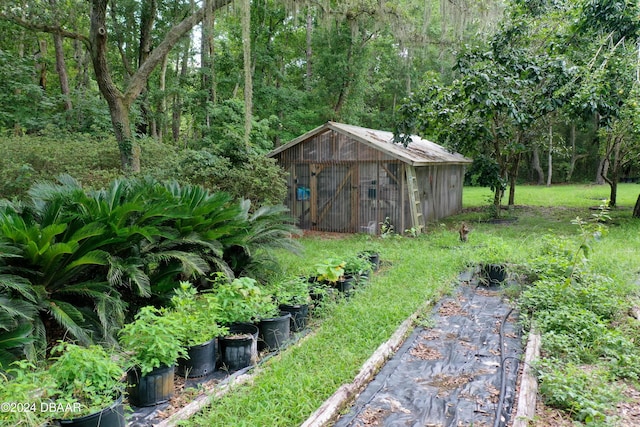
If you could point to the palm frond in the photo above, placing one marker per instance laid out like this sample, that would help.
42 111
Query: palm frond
13 344
69 318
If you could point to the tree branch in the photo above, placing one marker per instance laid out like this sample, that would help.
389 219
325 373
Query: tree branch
45 28
140 77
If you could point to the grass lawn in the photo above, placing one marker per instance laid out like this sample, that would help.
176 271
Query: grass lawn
289 387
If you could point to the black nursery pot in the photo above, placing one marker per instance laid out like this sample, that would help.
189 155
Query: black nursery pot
345 285
494 274
373 257
151 389
239 348
201 361
113 416
299 315
274 332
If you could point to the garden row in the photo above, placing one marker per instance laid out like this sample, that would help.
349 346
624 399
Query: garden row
223 326
77 266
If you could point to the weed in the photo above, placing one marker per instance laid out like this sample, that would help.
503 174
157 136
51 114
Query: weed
584 392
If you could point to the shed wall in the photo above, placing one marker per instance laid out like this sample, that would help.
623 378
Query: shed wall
340 184
440 190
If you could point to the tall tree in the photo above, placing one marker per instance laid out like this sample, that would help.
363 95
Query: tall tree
119 101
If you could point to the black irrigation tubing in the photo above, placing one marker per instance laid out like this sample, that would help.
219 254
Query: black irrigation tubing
503 383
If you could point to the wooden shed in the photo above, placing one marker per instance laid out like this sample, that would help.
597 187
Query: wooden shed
349 179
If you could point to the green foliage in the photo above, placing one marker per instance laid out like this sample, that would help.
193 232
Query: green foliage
585 394
257 178
241 300
96 163
357 264
152 340
330 270
264 230
289 291
579 313
86 375
25 384
194 316
78 258
23 100
225 137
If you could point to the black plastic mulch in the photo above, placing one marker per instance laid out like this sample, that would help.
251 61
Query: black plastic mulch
450 374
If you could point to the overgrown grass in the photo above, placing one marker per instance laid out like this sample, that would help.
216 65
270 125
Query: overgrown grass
290 386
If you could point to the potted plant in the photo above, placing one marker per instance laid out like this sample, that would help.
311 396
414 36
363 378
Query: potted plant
26 389
153 344
237 305
492 262
373 257
88 385
274 324
201 331
331 271
358 266
292 296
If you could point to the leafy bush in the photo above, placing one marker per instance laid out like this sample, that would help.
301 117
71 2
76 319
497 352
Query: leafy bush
96 162
257 178
583 393
194 316
25 384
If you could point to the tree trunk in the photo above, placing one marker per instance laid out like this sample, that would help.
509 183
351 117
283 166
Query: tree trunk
41 64
574 155
513 176
248 81
636 209
82 58
550 156
613 193
308 52
603 167
182 65
61 69
535 165
120 102
207 60
161 123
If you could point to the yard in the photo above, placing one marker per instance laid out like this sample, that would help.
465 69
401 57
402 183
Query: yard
575 265
292 385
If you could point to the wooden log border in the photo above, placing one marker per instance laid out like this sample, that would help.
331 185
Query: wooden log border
330 410
529 384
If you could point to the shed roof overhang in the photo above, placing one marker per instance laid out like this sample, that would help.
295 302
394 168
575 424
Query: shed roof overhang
419 152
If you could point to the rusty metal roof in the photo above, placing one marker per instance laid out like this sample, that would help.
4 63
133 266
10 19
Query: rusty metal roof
419 151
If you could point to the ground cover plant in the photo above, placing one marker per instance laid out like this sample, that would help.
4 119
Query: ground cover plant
290 386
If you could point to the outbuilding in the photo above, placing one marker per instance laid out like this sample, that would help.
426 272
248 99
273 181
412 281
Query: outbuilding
348 179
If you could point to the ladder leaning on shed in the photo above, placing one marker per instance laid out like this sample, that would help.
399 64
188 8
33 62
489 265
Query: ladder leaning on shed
414 199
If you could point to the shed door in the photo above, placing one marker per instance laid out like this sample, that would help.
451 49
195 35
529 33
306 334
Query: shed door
334 197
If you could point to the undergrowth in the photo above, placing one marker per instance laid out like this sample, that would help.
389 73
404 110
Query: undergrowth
582 316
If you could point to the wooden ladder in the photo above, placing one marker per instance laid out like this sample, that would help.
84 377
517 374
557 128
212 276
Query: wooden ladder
414 199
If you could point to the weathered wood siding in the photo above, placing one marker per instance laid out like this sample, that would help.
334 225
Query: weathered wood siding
339 184
440 190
